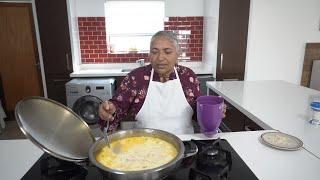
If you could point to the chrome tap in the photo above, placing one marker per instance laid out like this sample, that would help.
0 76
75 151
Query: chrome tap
141 62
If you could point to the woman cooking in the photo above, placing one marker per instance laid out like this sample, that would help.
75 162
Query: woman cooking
161 95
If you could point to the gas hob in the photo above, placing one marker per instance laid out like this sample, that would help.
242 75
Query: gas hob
215 160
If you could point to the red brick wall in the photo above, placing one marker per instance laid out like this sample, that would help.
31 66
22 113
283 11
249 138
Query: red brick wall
94 48
192 38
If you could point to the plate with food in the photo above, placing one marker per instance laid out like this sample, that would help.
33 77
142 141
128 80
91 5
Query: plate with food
281 141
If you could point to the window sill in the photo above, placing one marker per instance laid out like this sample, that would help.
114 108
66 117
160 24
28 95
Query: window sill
128 52
116 69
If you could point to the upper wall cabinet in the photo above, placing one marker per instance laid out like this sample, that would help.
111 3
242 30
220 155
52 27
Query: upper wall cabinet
54 36
56 47
232 39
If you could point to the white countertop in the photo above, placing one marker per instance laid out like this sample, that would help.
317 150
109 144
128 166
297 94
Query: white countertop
275 105
99 73
117 72
108 70
17 157
266 162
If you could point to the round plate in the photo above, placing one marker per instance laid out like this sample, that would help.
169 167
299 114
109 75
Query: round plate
281 141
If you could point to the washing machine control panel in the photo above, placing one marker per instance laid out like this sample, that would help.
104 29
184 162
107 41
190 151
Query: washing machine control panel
98 87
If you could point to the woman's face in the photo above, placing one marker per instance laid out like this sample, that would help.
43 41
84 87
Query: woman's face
163 56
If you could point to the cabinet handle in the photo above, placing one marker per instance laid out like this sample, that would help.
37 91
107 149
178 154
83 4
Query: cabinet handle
38 65
221 61
68 62
248 128
59 80
231 79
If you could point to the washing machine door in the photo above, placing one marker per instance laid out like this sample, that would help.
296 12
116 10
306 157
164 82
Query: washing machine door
88 108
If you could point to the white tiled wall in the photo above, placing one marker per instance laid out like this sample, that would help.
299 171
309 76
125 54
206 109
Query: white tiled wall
210 31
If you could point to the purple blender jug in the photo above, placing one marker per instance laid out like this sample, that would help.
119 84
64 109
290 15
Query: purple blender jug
209 113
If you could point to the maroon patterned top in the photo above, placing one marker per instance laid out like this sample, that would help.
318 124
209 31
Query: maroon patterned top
130 95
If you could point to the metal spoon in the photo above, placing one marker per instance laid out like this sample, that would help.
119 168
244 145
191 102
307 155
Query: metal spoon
105 136
116 148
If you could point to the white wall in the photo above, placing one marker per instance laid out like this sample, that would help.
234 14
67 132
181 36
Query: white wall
89 8
74 33
184 7
278 32
94 8
39 47
210 34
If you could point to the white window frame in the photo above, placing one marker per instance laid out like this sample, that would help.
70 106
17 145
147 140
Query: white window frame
131 24
113 69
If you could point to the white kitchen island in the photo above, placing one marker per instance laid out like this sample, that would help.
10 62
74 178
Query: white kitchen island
277 105
17 157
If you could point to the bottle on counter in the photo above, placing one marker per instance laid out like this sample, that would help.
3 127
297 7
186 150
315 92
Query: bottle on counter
315 116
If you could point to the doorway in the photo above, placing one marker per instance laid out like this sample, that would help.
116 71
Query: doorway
19 59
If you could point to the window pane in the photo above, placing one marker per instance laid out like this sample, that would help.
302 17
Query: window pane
126 43
131 23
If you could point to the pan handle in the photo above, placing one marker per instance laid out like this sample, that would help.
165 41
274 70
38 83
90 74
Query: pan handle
191 150
85 164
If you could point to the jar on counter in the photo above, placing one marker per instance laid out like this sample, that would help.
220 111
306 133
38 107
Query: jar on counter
315 117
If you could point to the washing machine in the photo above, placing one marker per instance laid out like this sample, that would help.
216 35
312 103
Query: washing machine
84 95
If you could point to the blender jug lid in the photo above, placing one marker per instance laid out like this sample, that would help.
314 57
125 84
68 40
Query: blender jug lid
315 105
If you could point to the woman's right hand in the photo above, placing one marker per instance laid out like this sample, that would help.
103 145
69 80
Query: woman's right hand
107 110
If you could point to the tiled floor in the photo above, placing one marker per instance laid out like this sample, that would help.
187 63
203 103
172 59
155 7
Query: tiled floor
11 131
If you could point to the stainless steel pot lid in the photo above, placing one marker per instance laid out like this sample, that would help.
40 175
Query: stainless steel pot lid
54 128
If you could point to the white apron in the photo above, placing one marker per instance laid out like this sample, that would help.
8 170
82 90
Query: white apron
166 108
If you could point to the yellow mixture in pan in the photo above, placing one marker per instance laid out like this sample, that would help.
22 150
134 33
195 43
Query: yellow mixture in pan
137 153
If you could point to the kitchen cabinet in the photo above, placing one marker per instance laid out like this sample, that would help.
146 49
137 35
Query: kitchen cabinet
56 87
236 120
56 48
315 75
203 78
249 125
2 102
232 39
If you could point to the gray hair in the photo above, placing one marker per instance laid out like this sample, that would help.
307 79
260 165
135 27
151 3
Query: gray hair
170 36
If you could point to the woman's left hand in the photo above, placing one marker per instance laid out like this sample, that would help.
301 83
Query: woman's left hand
224 110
